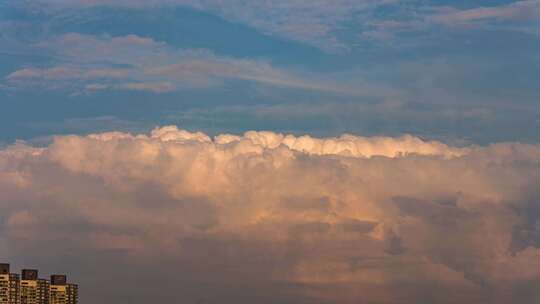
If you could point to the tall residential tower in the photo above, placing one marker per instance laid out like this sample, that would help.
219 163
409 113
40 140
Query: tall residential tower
61 292
30 289
33 289
4 284
9 286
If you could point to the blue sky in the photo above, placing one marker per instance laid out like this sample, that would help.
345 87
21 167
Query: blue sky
399 162
456 71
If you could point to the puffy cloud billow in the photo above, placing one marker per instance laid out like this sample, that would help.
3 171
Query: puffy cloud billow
180 217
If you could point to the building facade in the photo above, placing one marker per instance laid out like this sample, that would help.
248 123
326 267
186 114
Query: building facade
43 291
14 289
4 284
58 290
73 293
9 286
30 289
61 292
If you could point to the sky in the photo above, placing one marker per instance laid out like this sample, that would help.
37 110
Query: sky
273 151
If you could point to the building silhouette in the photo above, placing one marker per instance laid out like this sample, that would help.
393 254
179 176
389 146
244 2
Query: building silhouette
30 289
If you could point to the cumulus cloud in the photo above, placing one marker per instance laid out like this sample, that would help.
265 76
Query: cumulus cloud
278 218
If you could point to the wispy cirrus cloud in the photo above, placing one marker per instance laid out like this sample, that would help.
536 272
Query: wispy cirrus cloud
516 16
324 24
91 63
313 22
517 11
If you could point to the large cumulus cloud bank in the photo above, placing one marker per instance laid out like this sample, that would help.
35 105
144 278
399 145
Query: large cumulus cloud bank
179 217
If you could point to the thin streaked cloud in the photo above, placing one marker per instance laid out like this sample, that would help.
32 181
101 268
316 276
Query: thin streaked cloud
139 63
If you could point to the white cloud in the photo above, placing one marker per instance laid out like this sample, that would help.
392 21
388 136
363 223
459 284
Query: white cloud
312 220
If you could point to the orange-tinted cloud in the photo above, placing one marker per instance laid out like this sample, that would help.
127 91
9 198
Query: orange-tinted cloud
298 219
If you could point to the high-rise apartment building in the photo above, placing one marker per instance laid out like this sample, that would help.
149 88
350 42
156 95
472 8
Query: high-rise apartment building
14 288
33 289
4 284
9 286
43 291
61 292
30 289
73 293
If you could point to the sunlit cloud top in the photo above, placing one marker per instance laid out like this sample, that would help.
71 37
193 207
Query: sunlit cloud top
293 218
